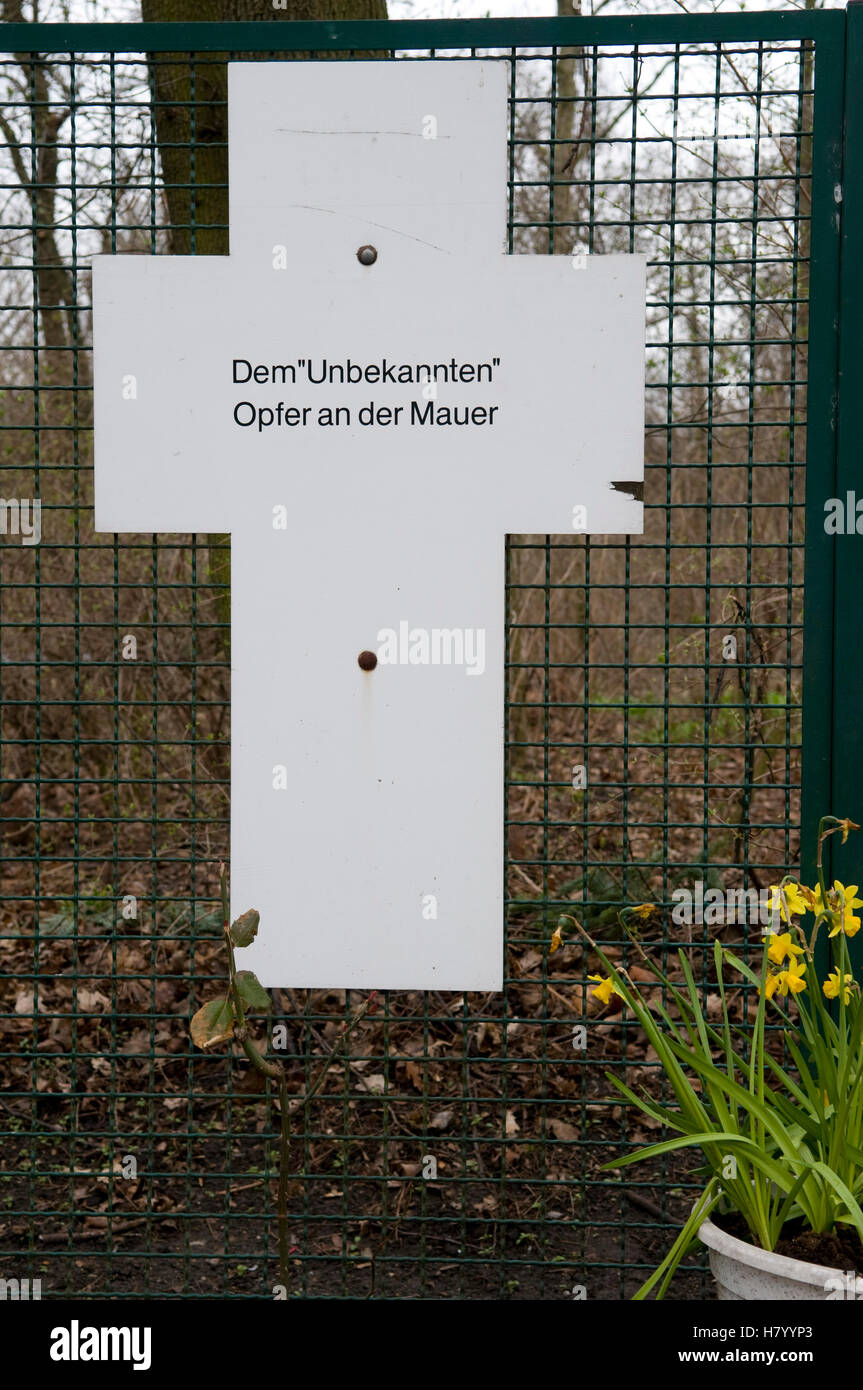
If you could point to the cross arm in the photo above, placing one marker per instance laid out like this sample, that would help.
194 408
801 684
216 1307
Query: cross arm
155 318
576 425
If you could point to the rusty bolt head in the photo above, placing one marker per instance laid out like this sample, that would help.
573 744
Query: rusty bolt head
367 661
367 255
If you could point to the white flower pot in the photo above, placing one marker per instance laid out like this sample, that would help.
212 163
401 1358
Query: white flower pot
746 1273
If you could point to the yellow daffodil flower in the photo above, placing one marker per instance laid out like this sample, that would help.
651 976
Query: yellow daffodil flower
790 980
643 910
850 924
555 941
780 947
832 985
605 988
794 976
795 900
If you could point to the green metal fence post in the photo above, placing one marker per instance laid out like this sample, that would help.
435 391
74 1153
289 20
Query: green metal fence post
819 730
846 790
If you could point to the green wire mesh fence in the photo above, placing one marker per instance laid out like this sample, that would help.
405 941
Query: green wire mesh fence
653 709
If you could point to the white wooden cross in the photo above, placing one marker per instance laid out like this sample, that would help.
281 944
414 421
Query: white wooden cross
368 515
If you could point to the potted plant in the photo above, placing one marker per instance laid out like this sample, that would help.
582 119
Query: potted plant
780 1130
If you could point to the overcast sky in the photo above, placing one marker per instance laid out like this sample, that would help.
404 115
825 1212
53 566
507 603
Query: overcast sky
452 9
511 9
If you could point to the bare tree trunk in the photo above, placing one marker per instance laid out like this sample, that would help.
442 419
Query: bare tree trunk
34 153
565 154
37 173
